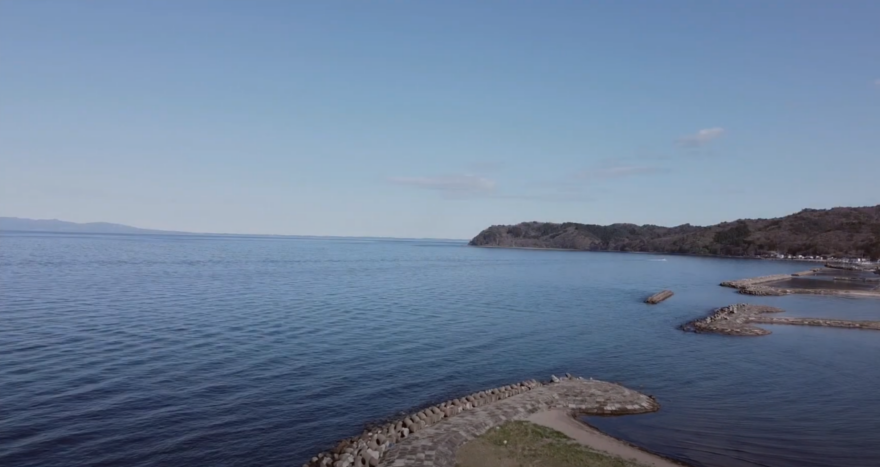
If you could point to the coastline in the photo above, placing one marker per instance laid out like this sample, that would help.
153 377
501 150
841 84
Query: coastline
692 255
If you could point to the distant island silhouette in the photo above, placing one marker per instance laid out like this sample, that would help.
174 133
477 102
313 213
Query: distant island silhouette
55 225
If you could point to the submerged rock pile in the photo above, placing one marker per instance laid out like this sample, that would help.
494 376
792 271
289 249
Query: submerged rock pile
659 297
368 448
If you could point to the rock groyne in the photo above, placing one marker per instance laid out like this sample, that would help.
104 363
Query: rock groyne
751 282
732 320
822 322
738 320
369 447
851 266
763 286
432 436
770 291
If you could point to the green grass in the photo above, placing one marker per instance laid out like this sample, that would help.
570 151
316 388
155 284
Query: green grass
524 444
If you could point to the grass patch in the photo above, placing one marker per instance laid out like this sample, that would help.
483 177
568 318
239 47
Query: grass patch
524 444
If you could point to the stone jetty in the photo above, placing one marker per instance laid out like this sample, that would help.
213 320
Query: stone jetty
806 273
431 437
763 286
769 291
754 281
739 320
852 267
659 297
732 320
857 279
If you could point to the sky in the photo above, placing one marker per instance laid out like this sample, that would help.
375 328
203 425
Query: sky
435 119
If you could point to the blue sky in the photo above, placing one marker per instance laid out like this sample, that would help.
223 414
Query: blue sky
435 119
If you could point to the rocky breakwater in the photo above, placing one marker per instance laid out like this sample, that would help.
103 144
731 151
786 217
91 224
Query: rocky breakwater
770 286
857 279
771 290
821 322
738 320
732 320
851 266
754 281
438 444
368 448
432 436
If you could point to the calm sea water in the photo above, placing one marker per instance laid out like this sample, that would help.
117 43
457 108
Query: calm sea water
234 351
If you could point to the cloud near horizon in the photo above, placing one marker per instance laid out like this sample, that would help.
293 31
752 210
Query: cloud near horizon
701 138
453 185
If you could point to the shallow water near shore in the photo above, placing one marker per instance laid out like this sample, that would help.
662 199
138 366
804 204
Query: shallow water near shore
150 350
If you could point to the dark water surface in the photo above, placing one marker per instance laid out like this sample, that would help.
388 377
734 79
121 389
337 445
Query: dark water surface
243 351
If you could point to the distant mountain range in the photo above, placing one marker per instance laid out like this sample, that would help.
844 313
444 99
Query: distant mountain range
841 232
19 224
55 225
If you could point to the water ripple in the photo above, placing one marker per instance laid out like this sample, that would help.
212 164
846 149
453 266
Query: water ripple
247 351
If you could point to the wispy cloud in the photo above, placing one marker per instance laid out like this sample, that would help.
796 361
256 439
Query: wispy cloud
617 171
701 138
877 82
450 185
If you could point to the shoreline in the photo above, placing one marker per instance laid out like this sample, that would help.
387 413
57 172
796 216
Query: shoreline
594 438
691 255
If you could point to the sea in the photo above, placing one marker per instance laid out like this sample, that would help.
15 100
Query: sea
192 350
